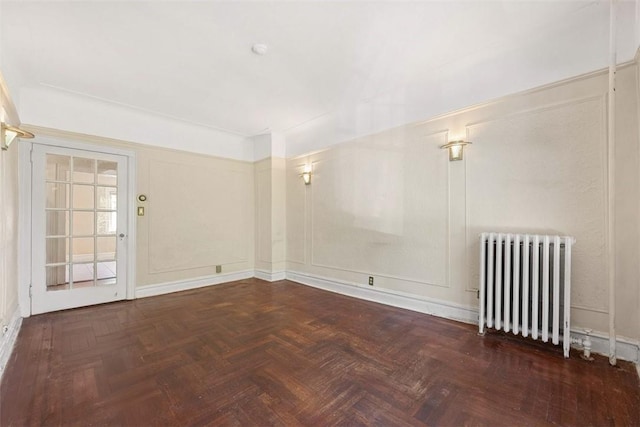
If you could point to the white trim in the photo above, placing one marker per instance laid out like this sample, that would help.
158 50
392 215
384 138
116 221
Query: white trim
24 227
61 141
184 285
627 349
132 224
8 339
270 276
25 221
431 306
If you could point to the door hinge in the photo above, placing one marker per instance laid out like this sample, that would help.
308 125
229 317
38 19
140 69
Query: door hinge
30 290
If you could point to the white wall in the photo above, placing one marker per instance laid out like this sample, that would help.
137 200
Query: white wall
56 109
270 219
390 204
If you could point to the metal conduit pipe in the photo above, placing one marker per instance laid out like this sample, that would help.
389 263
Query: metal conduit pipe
611 145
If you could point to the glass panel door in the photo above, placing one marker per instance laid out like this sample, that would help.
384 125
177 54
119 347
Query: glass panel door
81 222
77 204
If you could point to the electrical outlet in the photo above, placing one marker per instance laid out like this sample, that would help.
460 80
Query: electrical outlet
218 269
370 280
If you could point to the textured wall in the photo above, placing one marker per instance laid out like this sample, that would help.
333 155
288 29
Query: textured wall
8 234
270 184
199 214
391 205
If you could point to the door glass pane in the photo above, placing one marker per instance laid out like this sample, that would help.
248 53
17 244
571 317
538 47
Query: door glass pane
107 173
58 167
107 222
83 196
82 275
83 223
106 248
106 270
107 198
57 195
83 250
84 170
81 204
57 278
57 250
57 223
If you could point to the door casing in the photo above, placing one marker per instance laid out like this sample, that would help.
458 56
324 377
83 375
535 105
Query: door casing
25 222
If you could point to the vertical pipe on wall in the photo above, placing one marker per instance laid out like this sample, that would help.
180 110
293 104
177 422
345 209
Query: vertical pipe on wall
611 258
483 281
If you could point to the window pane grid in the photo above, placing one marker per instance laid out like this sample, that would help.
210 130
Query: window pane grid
86 190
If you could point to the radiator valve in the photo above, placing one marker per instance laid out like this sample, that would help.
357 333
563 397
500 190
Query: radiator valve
586 345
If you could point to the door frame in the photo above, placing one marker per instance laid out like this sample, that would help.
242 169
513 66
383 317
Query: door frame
25 221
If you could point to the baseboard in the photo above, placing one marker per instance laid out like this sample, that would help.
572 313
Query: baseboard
626 349
184 285
269 276
8 339
434 307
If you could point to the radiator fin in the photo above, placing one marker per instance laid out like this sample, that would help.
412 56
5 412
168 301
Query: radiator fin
525 285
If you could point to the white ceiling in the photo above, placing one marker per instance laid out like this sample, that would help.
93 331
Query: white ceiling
192 61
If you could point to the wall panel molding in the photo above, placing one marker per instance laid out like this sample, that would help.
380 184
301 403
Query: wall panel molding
198 282
411 140
292 176
262 234
598 108
159 216
407 301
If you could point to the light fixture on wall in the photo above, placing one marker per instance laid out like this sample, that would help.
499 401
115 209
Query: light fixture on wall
306 174
456 149
10 133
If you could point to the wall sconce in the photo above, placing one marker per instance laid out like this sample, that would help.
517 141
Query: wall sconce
10 133
306 175
455 149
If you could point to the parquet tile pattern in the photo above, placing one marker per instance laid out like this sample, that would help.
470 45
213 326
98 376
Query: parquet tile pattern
256 353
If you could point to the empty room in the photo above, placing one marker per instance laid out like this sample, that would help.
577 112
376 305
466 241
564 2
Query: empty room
317 213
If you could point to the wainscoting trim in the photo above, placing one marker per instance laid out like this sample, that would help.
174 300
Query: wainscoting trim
396 299
199 282
270 276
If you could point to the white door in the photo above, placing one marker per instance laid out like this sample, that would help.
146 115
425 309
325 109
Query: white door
79 208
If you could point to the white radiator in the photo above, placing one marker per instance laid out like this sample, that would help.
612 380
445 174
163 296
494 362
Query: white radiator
525 285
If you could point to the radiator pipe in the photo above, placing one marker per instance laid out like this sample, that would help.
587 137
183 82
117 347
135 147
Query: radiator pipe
611 220
586 345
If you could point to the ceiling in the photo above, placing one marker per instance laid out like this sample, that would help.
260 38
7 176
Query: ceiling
192 61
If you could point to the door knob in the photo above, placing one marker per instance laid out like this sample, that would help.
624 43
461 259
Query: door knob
121 235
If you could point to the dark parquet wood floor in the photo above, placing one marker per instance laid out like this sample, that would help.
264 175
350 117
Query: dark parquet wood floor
254 353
